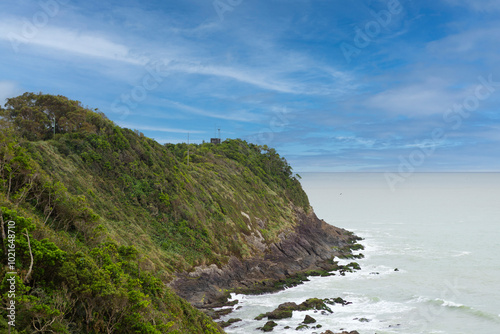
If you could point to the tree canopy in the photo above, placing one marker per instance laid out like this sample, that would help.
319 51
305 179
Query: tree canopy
34 116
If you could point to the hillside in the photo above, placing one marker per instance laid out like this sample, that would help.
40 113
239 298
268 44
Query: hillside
109 223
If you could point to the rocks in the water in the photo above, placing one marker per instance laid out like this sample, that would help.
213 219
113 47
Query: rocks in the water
285 310
374 273
344 332
268 327
304 326
232 303
314 304
280 314
396 269
349 268
339 300
309 320
231 321
362 319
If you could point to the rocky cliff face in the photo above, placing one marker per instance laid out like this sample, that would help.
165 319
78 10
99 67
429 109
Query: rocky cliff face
311 245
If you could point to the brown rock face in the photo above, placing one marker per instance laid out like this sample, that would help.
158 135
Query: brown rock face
308 247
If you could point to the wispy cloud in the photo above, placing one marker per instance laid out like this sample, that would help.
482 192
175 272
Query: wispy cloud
156 128
241 115
478 43
422 99
84 43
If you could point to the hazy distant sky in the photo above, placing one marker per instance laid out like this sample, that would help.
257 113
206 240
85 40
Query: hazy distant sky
332 85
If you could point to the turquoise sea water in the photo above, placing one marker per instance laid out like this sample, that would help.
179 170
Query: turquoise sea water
442 232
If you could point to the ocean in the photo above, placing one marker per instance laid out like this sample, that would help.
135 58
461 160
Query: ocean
441 231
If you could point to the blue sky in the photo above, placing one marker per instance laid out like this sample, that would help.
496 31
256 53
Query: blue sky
332 85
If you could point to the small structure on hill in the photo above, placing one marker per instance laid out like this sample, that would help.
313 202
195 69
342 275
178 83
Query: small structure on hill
215 141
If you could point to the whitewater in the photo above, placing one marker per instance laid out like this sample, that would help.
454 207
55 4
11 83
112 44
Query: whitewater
431 257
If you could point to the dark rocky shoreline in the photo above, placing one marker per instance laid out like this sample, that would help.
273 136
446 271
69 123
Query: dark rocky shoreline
308 250
310 247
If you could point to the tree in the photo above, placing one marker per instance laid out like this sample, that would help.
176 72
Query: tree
38 116
28 118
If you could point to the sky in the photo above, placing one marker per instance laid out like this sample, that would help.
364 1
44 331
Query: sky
335 86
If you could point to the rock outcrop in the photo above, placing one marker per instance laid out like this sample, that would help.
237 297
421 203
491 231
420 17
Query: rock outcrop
310 246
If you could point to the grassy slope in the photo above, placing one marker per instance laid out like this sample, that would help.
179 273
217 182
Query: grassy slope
112 215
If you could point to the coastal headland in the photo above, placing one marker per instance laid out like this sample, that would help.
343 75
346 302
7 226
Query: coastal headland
117 233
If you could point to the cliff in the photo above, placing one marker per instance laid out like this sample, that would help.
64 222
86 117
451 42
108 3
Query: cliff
115 227
309 245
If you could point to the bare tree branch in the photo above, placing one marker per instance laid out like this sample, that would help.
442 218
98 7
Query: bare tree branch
4 237
27 278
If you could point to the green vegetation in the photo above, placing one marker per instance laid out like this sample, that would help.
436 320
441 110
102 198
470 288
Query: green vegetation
268 327
111 216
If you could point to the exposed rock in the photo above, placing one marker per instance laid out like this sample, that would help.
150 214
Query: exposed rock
268 327
309 320
219 313
344 332
285 310
310 246
339 300
231 321
314 304
301 327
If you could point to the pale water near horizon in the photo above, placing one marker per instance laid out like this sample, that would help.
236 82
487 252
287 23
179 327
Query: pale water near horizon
442 231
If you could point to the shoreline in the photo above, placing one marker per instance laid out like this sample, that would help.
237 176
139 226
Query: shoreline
313 249
309 248
251 308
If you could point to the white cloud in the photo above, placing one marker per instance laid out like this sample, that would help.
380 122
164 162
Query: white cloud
352 141
241 116
281 77
422 99
61 39
266 73
477 43
241 75
95 44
